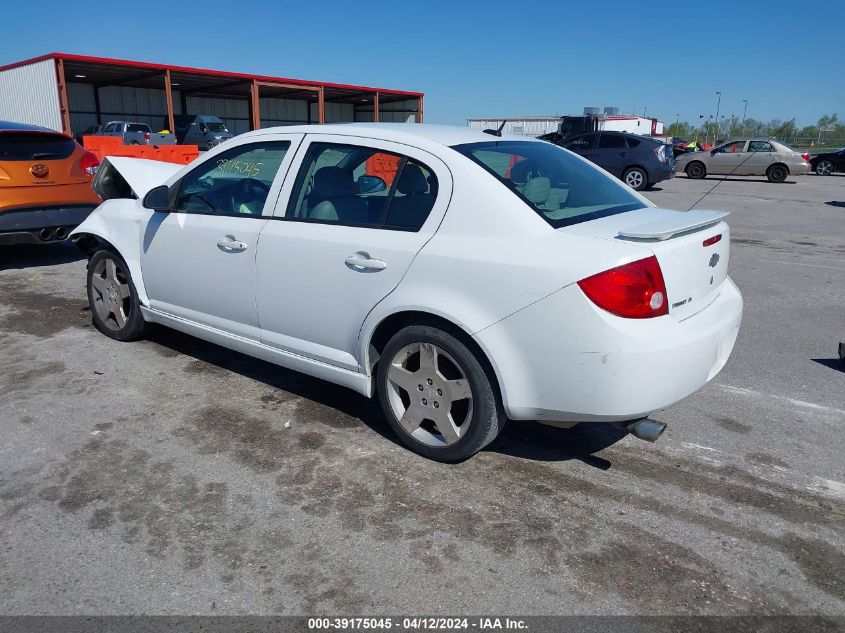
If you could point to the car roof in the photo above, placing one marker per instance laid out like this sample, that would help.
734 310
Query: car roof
12 126
448 135
756 138
615 132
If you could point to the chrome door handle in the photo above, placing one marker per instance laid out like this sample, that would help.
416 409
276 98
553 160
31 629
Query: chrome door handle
230 245
362 261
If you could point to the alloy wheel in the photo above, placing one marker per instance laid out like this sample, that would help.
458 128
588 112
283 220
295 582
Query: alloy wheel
824 168
634 179
112 295
429 394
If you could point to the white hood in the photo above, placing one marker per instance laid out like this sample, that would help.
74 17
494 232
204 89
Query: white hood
139 174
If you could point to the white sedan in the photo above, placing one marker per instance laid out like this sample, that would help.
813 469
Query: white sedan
464 278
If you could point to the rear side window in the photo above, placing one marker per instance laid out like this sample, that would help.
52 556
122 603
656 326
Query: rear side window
632 142
561 188
611 141
34 146
352 185
760 146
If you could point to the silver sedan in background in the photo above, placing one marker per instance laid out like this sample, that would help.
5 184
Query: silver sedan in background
746 157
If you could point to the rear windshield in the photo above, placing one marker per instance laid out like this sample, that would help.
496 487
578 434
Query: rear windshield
216 127
34 146
137 127
558 185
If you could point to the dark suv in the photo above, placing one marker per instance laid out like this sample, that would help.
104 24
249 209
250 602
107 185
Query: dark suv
638 161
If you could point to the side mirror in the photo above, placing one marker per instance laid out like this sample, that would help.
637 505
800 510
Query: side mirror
371 184
157 199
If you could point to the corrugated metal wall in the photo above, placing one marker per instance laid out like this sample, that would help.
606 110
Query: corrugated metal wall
29 94
397 111
275 111
523 127
335 112
393 112
233 112
118 103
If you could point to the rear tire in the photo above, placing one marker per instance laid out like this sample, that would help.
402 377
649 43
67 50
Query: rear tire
636 178
696 170
777 173
824 168
437 395
115 308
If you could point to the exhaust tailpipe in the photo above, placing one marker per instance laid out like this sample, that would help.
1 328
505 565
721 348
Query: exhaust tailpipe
45 235
646 429
61 233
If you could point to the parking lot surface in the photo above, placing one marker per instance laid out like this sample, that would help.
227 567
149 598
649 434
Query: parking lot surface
173 476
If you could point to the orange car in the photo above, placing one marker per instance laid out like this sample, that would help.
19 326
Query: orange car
45 184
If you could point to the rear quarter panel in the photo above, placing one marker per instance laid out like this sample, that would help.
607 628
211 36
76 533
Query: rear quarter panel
491 257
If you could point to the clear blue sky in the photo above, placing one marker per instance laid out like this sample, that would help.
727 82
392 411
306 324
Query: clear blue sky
487 58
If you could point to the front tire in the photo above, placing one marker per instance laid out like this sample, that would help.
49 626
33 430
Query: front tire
777 173
436 394
635 178
115 308
696 170
824 168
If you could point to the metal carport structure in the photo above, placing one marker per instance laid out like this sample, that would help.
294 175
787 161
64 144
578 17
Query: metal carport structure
89 90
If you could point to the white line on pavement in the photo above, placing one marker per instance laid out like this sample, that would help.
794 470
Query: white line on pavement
798 403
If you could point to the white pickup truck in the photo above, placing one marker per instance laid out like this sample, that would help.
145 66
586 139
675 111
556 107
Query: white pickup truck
136 133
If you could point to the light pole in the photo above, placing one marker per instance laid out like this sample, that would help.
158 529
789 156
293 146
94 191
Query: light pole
718 103
744 108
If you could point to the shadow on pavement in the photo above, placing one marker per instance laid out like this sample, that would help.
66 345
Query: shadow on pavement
836 203
37 255
535 441
527 440
748 179
833 363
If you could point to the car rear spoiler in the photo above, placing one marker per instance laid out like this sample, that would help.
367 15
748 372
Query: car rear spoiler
120 177
671 225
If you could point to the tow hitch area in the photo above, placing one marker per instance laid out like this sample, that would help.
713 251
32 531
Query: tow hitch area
644 428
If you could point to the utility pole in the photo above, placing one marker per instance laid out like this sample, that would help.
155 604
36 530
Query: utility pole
718 103
744 108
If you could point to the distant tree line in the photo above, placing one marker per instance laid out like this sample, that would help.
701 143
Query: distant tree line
828 131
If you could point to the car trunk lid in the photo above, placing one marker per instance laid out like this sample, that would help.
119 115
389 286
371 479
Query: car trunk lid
693 249
39 159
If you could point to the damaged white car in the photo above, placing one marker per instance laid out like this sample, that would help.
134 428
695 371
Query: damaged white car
462 277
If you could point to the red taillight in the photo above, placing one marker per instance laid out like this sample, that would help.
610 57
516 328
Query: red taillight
806 156
146 136
712 240
634 291
89 163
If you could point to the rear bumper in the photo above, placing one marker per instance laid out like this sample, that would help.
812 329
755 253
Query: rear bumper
661 173
564 359
23 226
